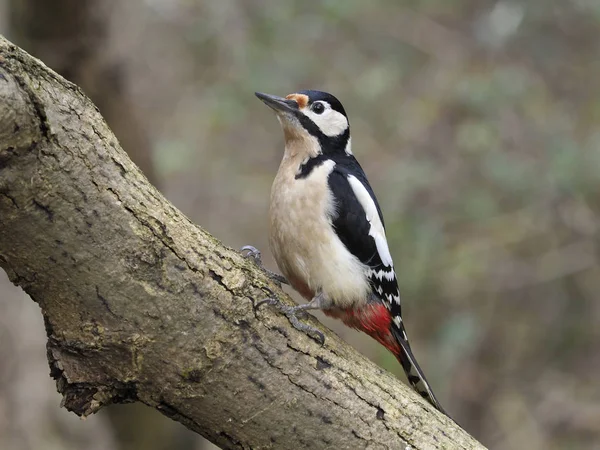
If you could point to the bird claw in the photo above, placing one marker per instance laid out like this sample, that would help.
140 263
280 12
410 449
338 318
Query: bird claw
266 301
254 253
311 331
291 313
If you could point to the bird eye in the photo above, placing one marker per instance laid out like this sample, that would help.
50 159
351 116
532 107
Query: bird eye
318 108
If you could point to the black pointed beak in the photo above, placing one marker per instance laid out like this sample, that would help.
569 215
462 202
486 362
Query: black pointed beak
278 103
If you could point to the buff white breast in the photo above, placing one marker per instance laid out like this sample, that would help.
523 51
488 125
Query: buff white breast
314 259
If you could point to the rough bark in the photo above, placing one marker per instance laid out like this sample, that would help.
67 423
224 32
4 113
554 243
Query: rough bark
78 39
29 417
140 304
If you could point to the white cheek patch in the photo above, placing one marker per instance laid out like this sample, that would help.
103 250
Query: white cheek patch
330 122
376 231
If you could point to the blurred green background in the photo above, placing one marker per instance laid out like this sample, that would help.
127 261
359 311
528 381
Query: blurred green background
478 124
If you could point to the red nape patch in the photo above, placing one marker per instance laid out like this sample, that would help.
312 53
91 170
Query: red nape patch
373 319
301 99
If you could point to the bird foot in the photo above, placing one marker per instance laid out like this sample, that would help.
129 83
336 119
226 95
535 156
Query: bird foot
254 253
291 313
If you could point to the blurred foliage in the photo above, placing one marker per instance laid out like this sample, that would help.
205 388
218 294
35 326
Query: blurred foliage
478 124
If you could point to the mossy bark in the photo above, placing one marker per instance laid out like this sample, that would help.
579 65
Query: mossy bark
140 304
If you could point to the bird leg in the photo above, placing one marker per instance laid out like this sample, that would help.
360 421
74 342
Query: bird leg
319 301
255 254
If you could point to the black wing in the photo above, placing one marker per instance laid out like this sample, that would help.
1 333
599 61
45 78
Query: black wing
353 227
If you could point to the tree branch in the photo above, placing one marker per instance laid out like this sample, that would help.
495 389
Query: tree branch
142 305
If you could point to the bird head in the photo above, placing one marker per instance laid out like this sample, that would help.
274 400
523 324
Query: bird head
309 115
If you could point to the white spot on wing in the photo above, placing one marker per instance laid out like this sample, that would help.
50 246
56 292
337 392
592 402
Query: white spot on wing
376 231
381 274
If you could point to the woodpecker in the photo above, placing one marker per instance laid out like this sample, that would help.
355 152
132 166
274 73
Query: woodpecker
327 232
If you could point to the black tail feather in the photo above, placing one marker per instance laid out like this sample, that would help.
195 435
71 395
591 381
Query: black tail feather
415 375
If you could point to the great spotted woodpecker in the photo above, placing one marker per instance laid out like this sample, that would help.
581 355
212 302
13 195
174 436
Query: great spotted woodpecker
327 232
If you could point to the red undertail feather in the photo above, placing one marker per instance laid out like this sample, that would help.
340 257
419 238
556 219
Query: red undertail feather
376 321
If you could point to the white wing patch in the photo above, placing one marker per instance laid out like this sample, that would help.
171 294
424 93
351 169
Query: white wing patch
376 231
